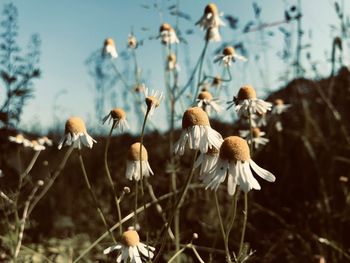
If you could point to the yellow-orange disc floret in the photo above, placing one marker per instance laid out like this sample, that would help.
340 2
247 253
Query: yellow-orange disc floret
75 125
246 92
130 238
134 152
234 148
194 116
118 114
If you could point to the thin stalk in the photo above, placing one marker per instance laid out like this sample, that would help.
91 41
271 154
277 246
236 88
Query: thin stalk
200 70
115 196
92 193
178 252
222 228
135 207
52 179
230 224
178 204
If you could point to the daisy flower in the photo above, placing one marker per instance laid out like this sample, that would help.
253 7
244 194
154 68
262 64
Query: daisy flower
168 34
153 100
258 138
197 132
234 160
211 18
109 48
45 141
118 116
216 82
279 107
258 120
20 139
133 163
75 134
247 103
130 249
172 62
213 34
228 56
207 161
36 146
132 42
206 102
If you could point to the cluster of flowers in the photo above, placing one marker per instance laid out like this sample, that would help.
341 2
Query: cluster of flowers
36 145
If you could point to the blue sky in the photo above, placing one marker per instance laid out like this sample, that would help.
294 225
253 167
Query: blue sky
72 30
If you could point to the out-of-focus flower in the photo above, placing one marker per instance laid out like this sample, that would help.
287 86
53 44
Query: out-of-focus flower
109 48
140 87
172 63
247 103
213 34
258 138
206 102
258 120
167 34
197 133
207 161
279 107
228 56
118 116
133 163
211 18
132 42
216 82
153 100
36 146
45 141
20 139
75 134
234 160
130 247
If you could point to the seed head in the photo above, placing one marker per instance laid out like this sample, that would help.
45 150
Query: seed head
118 114
194 116
205 95
172 58
165 27
130 238
217 81
211 9
134 152
109 42
228 51
246 92
279 102
75 125
234 148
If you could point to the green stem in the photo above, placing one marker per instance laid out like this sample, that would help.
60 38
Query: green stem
222 228
245 212
92 193
135 207
115 196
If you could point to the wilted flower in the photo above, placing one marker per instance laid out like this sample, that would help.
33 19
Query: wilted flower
132 42
133 163
247 103
20 139
109 48
118 116
206 102
211 18
234 160
228 56
207 160
172 62
75 133
45 141
197 132
130 247
168 34
153 100
279 107
213 34
258 138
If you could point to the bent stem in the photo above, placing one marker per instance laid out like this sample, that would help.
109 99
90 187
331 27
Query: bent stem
115 197
178 204
99 210
222 228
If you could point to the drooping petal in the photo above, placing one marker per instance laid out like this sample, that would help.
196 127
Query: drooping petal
262 172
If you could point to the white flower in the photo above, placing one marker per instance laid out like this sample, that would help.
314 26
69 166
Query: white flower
36 146
258 120
228 56
258 138
118 116
130 249
167 34
279 107
207 161
20 139
211 18
133 163
109 48
197 133
247 103
213 34
206 102
75 133
234 160
132 42
172 63
45 141
153 100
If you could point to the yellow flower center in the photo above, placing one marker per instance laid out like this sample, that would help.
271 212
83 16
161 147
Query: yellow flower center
134 152
234 148
75 125
228 51
152 101
246 92
216 81
194 116
118 114
165 27
205 95
109 41
279 102
130 238
211 9
256 132
172 58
